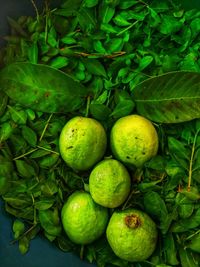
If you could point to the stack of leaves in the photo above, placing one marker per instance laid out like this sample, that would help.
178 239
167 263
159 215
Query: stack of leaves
94 58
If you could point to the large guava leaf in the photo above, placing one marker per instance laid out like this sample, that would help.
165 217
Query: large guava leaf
41 87
170 98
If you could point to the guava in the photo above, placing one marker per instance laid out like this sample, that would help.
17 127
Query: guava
83 220
132 235
134 140
109 183
82 143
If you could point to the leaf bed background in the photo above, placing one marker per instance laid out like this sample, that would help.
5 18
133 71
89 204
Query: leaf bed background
108 47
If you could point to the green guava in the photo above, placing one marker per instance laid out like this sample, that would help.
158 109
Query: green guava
134 140
82 143
109 183
132 235
83 220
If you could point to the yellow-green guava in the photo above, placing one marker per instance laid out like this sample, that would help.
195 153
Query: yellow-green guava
82 143
109 183
134 140
83 220
132 235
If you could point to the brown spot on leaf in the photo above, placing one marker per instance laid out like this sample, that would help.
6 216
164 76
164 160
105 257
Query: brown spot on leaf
47 94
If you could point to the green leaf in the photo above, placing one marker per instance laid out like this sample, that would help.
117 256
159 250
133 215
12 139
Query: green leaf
170 250
194 243
24 243
94 67
58 92
18 116
90 3
99 111
18 228
29 135
106 13
50 221
187 259
4 184
186 224
49 187
169 25
44 204
127 3
86 19
123 108
155 205
59 62
170 98
144 62
19 201
6 131
179 148
3 102
33 53
48 161
25 169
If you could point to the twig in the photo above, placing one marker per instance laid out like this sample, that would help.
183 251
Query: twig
45 128
191 161
36 10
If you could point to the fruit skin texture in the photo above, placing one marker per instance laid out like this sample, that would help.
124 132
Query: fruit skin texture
83 220
132 235
134 140
109 183
82 143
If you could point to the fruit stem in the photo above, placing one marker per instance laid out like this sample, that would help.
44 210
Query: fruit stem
132 221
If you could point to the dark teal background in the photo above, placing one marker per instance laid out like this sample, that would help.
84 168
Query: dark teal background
42 253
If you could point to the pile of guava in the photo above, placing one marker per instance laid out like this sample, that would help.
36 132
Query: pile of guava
86 216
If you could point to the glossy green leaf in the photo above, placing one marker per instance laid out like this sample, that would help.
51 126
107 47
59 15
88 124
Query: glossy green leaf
58 92
169 98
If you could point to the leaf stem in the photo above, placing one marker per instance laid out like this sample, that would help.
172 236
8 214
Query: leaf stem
128 28
87 107
191 161
36 10
24 234
48 150
25 154
45 127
